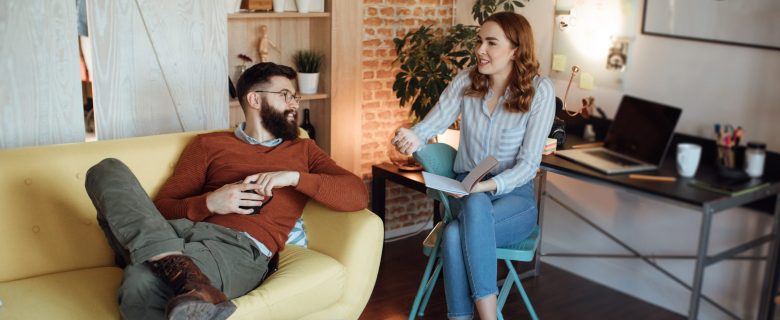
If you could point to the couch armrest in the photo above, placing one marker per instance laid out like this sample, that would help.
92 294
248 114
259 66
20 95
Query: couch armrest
355 239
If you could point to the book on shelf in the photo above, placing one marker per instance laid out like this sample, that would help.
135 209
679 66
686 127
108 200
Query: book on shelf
464 187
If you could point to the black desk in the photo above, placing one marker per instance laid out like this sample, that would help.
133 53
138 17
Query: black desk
710 203
387 172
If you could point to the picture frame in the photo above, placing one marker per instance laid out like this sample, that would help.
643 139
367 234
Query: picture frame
750 23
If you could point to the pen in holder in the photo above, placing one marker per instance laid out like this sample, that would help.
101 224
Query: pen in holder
729 163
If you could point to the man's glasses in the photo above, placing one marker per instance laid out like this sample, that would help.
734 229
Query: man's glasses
288 96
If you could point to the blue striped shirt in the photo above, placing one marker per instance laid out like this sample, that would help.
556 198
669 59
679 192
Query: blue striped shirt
515 139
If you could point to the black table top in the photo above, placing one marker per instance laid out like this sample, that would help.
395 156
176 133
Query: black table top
679 190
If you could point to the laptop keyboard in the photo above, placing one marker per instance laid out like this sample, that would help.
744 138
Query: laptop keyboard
613 158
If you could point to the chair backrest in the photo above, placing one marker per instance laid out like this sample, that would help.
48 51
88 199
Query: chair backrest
437 158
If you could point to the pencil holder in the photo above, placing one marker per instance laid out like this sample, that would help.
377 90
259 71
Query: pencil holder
729 162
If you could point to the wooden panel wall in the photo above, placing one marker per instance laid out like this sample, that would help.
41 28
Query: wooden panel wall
347 89
158 66
40 88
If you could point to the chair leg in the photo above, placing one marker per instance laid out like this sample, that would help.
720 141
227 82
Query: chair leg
504 293
424 282
429 288
515 280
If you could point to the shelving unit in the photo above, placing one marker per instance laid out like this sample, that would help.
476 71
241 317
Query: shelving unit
277 15
288 33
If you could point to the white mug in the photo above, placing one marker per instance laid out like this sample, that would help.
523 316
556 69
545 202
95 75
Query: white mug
688 155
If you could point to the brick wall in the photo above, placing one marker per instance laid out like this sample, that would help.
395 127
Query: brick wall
384 20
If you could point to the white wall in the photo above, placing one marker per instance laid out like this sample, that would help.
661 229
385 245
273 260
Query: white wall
711 83
40 90
158 66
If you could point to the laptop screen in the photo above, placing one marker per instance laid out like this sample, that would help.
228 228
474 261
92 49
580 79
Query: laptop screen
642 129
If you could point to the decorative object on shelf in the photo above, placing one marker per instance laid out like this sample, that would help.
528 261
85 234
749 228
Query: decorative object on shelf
258 5
302 5
306 125
314 5
231 88
279 5
233 6
242 67
402 161
263 42
308 63
429 59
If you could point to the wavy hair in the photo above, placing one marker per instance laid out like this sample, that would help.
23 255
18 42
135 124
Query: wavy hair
525 66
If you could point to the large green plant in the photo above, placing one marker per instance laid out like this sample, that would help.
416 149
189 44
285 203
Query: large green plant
429 58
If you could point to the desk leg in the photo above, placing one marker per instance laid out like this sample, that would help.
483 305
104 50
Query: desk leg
769 289
701 260
378 194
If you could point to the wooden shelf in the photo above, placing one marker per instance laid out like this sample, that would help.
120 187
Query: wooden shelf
277 15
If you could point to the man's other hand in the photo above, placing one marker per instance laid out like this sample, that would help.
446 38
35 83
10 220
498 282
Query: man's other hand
230 197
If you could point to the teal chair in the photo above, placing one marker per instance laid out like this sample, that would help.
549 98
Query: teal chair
438 158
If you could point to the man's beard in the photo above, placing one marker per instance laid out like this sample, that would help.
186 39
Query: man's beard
276 122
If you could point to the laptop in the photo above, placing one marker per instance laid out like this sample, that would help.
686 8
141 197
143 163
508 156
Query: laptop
636 141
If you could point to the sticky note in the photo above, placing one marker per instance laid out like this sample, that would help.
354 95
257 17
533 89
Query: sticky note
586 81
559 62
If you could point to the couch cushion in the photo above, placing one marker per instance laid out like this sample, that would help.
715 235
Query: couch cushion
63 295
306 281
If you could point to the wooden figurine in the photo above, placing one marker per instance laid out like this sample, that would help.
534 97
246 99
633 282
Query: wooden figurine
263 43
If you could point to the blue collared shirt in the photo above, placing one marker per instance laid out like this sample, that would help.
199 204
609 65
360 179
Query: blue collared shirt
515 139
269 143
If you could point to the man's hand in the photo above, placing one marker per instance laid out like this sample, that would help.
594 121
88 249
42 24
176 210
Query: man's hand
264 183
230 197
405 141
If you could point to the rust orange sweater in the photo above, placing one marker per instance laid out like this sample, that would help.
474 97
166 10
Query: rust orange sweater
214 159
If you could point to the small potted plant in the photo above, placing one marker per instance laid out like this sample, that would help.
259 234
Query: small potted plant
308 63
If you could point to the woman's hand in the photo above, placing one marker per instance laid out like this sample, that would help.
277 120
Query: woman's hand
485 186
405 141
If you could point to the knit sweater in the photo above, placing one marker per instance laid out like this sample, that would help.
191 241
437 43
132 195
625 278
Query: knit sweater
213 160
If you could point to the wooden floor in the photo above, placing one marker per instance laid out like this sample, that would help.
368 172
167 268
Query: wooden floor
555 294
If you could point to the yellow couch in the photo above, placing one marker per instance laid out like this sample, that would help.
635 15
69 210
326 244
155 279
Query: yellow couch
56 264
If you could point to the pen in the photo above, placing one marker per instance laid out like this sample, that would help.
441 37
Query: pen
587 145
652 178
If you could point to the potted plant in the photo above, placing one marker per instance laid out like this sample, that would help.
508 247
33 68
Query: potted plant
308 63
430 58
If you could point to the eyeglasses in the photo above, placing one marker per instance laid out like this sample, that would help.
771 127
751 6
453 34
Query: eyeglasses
288 96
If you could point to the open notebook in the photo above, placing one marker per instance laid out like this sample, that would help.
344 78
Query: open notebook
464 187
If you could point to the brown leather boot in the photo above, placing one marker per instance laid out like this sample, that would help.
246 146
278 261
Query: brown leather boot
195 297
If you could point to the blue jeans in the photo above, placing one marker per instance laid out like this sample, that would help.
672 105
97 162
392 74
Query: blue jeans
481 223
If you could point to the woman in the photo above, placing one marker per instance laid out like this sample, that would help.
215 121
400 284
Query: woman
506 110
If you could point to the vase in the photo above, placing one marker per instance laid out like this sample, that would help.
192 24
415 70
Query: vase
238 71
303 5
404 162
307 82
278 5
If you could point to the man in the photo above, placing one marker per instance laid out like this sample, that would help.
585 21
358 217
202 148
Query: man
205 245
